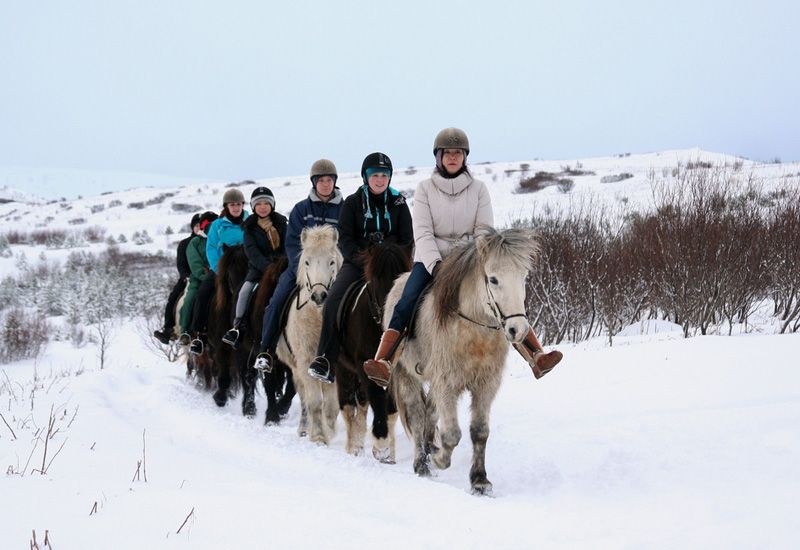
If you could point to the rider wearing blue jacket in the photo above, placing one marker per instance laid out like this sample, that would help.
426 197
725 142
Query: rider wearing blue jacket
320 208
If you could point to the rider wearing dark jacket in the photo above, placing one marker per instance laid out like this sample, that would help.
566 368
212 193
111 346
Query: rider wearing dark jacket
264 236
167 333
375 213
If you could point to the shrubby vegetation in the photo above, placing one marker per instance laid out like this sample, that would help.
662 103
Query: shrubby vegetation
714 248
87 289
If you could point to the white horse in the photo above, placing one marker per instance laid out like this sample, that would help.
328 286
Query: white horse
319 263
464 328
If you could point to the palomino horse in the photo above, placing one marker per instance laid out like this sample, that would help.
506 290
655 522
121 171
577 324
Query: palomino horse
232 366
475 308
362 331
319 263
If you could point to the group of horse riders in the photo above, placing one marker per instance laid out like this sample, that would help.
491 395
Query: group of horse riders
449 207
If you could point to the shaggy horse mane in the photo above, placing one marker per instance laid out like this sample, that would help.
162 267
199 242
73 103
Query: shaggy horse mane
233 258
383 262
517 245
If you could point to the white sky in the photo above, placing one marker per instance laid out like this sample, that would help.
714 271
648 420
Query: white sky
251 89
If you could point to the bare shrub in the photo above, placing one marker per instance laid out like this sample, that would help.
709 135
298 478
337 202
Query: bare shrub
94 234
114 202
185 207
15 236
96 208
138 205
616 177
565 185
24 335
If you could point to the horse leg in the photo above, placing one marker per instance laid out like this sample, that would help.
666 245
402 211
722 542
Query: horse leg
449 430
223 385
330 410
271 384
381 447
479 433
289 390
248 376
408 394
315 405
302 427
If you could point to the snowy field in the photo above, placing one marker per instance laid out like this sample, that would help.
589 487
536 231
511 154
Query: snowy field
656 442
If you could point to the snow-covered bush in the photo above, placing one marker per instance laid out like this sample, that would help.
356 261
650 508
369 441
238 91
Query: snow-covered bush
24 335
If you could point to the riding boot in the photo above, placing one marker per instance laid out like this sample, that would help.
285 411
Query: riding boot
379 370
321 369
162 336
232 336
264 362
540 362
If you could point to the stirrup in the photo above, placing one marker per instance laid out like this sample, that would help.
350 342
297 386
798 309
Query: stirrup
231 337
196 344
315 370
263 362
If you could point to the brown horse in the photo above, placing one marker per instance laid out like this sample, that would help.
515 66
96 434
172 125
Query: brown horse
237 365
361 334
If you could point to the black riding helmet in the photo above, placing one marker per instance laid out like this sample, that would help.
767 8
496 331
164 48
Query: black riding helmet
376 160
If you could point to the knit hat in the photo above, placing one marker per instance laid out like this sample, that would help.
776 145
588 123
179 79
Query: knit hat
261 194
232 195
195 221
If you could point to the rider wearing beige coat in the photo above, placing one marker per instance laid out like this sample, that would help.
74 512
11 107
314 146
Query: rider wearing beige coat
448 208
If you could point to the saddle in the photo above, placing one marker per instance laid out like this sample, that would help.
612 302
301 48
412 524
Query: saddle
348 303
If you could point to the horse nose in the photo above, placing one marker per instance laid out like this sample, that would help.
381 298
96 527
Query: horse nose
512 332
319 297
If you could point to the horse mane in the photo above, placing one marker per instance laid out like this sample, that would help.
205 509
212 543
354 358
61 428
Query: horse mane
383 263
233 258
517 245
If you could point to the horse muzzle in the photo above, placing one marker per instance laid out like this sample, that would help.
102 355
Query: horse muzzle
318 296
516 329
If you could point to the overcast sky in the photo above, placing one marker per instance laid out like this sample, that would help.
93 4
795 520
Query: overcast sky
254 89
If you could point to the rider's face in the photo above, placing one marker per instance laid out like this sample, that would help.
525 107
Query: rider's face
235 208
324 187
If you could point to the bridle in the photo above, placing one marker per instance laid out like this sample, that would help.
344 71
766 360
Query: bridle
310 287
496 311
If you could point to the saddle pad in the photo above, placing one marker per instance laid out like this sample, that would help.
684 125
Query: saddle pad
412 323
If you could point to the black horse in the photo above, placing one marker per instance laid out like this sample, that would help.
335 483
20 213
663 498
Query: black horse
361 334
233 365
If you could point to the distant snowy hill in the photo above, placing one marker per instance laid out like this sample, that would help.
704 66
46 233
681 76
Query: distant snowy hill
45 184
162 205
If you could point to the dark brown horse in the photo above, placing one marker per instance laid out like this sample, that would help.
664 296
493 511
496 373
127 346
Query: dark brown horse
232 366
361 335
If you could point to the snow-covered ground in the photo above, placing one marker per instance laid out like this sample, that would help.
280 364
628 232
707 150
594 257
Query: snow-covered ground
656 442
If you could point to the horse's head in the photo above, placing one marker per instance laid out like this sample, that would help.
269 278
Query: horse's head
320 261
506 257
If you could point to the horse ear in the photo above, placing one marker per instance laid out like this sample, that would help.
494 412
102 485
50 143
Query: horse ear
335 235
481 245
303 237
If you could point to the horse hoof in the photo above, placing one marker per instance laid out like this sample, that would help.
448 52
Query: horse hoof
440 461
383 455
483 489
221 398
302 433
249 408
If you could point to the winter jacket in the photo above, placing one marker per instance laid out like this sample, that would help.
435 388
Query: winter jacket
223 233
196 258
257 247
447 211
183 262
310 212
363 220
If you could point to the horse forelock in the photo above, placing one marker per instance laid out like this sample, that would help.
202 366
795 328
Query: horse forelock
317 241
465 261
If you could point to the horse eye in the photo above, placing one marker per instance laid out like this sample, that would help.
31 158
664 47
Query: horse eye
333 262
493 280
